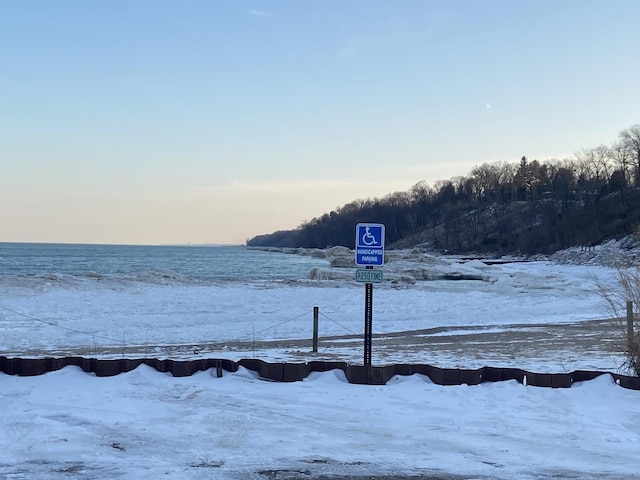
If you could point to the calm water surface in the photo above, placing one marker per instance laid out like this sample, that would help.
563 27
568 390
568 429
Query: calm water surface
197 263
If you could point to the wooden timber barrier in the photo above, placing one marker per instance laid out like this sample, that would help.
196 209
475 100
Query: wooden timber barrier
294 372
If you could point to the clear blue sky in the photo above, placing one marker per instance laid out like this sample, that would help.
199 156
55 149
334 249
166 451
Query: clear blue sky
154 121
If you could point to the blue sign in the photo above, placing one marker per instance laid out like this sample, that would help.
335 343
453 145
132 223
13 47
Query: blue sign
369 244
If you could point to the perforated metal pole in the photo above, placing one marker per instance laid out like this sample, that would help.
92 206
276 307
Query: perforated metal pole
368 320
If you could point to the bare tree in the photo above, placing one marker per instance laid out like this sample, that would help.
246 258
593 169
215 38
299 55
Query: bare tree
490 178
596 163
604 162
622 159
630 141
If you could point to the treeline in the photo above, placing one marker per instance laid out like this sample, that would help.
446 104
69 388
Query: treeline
528 206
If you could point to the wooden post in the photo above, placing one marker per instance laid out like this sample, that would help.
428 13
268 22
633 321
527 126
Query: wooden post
315 329
630 336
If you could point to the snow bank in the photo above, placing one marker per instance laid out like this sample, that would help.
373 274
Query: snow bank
147 425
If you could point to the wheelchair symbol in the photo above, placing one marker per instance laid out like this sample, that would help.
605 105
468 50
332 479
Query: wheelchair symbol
368 238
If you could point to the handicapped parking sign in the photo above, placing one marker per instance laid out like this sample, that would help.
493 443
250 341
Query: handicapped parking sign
369 244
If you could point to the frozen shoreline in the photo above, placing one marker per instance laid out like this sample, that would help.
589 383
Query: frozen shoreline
272 320
612 253
539 316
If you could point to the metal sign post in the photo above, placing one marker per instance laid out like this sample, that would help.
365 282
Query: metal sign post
369 252
368 321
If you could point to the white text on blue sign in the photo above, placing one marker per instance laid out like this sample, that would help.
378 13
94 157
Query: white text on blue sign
369 244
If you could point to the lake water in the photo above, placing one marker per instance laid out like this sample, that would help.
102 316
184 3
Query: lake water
182 264
66 300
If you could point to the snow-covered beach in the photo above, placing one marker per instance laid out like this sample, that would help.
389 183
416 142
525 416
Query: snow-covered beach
540 316
148 425
415 309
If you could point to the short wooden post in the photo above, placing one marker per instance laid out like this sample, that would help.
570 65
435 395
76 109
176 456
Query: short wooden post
630 335
315 329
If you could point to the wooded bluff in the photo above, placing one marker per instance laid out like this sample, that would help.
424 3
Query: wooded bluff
499 208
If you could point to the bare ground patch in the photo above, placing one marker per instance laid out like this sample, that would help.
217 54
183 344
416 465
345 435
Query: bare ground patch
592 344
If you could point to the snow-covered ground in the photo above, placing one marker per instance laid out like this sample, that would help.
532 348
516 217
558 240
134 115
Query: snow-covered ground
238 320
149 425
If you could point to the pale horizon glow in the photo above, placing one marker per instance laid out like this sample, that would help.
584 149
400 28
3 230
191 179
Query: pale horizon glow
170 123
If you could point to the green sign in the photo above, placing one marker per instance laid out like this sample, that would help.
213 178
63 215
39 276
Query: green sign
368 276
